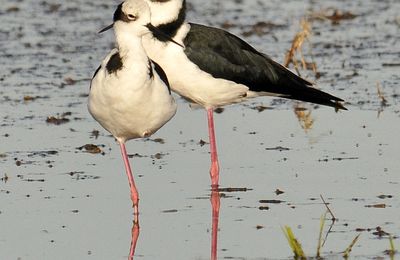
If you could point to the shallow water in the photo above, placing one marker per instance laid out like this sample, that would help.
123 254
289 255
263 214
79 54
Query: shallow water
59 202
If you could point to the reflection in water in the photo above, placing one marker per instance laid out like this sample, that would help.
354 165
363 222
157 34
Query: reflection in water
384 102
215 204
135 235
304 115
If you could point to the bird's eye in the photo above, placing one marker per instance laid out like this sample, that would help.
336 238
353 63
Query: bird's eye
131 17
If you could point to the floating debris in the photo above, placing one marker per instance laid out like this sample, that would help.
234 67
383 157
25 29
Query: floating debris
385 196
58 120
91 148
43 153
156 140
344 158
136 155
79 175
12 9
277 148
261 108
261 28
170 211
158 156
5 178
234 189
34 180
333 15
159 140
95 134
390 64
380 232
271 201
69 81
377 206
227 25
202 142
28 98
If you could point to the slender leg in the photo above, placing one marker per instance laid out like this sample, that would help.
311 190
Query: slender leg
134 192
215 203
214 171
135 235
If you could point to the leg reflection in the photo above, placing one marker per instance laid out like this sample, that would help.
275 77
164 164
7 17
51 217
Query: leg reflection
215 204
135 235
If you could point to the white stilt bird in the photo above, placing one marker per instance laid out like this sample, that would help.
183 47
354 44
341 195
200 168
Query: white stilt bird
129 94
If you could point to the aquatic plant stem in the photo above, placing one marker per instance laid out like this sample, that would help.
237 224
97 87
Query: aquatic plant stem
330 212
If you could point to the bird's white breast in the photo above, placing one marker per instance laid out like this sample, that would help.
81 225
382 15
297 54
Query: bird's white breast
129 103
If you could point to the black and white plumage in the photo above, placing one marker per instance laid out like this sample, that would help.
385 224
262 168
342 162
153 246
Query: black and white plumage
223 56
129 94
217 68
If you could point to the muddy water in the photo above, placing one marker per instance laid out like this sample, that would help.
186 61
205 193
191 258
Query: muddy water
58 201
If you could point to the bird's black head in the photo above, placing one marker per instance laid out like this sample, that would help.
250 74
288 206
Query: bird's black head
129 11
131 15
134 16
119 15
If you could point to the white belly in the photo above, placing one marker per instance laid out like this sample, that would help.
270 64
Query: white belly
130 106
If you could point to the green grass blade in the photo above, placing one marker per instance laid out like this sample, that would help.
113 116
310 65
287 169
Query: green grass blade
321 229
294 243
350 247
392 249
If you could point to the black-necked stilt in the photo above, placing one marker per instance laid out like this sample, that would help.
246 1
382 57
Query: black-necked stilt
217 68
129 94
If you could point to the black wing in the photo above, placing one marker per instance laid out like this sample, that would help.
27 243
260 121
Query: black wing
162 75
95 73
226 56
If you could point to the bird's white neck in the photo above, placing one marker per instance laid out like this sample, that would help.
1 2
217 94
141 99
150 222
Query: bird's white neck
130 46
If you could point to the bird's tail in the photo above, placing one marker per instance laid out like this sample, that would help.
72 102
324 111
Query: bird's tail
300 89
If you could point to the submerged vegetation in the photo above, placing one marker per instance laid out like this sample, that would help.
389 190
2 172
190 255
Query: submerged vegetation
298 251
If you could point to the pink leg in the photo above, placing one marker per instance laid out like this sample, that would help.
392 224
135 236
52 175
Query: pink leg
214 171
135 235
134 192
215 202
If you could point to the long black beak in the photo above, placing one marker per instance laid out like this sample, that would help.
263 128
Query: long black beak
106 28
160 34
